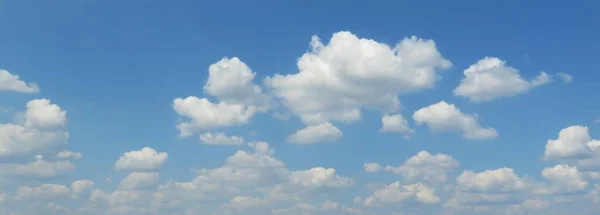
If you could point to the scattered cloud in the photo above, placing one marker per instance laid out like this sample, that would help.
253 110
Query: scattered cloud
66 154
220 139
396 124
490 78
146 159
12 82
442 117
325 132
567 79
230 80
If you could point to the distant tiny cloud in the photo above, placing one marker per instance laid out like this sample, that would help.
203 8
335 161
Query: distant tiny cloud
565 77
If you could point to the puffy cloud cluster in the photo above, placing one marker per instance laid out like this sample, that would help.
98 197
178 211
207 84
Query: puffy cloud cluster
426 167
350 73
335 82
42 128
229 80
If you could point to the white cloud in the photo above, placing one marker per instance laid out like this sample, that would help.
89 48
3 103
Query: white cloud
38 168
395 193
426 167
372 167
139 181
447 117
45 191
43 128
220 139
66 154
350 73
82 187
319 177
564 179
42 114
490 78
501 180
565 77
205 115
312 134
571 144
231 81
240 203
12 82
395 124
298 208
147 159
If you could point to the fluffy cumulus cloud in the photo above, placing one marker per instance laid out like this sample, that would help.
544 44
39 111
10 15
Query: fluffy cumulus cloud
572 143
426 167
501 180
230 81
490 78
12 82
319 177
82 187
139 181
395 124
316 134
250 181
442 117
336 82
146 159
349 73
564 178
205 115
42 127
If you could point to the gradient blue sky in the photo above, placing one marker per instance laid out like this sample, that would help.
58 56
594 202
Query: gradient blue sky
115 67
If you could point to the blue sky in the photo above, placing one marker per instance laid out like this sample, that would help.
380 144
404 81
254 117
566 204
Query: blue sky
112 72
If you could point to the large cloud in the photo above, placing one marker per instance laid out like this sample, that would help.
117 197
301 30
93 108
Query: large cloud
491 78
447 117
350 73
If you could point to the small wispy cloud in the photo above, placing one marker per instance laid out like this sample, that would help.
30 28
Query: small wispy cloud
565 77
